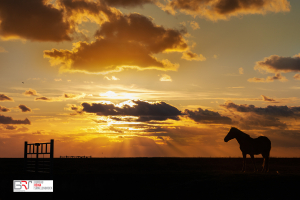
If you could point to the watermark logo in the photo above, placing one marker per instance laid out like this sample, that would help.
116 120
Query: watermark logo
33 185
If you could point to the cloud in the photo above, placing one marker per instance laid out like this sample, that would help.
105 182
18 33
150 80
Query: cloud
207 116
24 108
192 56
224 9
126 42
268 99
297 76
275 64
276 111
277 76
65 96
145 111
47 99
241 70
30 92
69 96
74 96
37 132
165 77
3 97
128 3
194 25
33 20
77 12
9 127
42 99
3 109
252 117
10 120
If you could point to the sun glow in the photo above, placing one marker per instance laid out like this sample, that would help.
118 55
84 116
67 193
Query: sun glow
119 95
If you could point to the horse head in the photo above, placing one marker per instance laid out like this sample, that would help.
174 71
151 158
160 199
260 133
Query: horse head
231 134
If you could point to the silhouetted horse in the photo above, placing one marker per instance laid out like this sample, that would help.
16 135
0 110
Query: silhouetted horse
251 146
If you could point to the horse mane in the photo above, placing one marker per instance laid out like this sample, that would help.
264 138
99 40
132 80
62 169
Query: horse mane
241 132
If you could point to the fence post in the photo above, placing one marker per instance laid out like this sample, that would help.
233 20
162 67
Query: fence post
25 156
51 155
37 157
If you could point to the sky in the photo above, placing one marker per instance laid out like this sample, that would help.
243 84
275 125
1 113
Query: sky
149 78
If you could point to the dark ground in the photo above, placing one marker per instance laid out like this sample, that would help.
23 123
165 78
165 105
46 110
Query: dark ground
154 178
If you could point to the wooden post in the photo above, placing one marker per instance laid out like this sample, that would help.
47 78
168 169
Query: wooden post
51 155
37 157
25 156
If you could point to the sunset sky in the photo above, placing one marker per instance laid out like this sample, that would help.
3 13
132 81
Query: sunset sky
149 78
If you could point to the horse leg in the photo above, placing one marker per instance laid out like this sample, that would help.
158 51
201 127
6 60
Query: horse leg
264 164
267 162
252 157
244 162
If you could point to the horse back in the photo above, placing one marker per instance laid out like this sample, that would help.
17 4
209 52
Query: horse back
263 143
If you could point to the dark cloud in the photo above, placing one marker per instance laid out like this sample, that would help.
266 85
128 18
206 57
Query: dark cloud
224 9
269 99
252 117
9 127
30 92
275 111
47 99
275 63
126 42
144 110
138 28
24 108
3 109
128 3
3 97
33 20
207 116
10 120
42 99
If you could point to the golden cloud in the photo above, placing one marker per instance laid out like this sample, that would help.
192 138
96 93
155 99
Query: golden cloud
194 25
277 76
165 77
127 42
30 92
192 56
